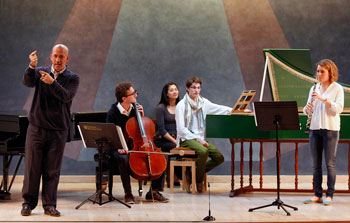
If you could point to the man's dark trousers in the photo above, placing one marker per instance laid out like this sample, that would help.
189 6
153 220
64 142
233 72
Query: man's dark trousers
43 157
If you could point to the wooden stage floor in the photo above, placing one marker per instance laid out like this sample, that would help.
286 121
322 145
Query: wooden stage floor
183 207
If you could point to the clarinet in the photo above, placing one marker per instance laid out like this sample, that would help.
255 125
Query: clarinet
309 116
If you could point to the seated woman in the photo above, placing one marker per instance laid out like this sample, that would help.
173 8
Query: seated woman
165 113
166 125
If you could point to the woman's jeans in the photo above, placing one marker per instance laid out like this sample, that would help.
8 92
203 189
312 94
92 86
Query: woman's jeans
327 141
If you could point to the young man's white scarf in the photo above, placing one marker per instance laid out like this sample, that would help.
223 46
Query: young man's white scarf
193 108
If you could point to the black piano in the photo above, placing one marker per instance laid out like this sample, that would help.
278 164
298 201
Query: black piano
13 130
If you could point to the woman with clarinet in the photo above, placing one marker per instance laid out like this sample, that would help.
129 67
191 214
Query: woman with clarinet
324 105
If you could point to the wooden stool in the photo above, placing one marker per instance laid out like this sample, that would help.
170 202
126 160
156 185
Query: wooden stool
185 162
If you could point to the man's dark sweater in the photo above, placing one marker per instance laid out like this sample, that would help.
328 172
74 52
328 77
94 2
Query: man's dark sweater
51 103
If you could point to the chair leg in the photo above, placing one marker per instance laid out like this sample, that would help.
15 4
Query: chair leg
184 182
194 186
171 177
168 172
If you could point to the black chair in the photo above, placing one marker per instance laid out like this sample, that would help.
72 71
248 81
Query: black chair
109 169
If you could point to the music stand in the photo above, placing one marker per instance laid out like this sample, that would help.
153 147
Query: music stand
103 137
280 115
243 101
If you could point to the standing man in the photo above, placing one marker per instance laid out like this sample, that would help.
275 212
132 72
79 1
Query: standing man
49 117
190 117
119 113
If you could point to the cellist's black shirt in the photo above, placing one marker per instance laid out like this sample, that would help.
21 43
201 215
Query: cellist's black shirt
114 116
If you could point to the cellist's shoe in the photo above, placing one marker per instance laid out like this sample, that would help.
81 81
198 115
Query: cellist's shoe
156 197
26 210
129 199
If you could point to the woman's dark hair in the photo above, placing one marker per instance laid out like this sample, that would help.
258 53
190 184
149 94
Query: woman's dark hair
164 98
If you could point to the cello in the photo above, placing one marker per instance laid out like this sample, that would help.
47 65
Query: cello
146 160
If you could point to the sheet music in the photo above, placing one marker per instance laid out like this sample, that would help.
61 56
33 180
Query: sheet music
82 138
121 137
256 123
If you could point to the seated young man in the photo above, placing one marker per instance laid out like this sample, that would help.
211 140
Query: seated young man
190 125
119 114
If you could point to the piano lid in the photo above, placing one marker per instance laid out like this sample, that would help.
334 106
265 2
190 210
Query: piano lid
9 123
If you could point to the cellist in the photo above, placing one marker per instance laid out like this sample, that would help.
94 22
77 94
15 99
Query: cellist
119 113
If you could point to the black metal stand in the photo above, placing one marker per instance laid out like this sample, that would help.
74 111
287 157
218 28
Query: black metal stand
209 217
97 197
278 201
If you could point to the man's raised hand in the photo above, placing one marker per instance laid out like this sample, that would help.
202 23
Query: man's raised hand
33 59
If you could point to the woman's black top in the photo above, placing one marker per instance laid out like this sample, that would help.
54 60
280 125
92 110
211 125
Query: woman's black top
165 121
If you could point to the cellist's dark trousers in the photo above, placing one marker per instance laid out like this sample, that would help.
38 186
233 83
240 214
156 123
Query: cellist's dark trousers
43 157
125 172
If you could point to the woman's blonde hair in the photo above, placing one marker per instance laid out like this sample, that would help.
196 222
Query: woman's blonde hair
331 67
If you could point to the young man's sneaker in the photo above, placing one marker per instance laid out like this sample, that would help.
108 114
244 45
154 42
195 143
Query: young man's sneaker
129 199
328 201
156 196
313 200
200 187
